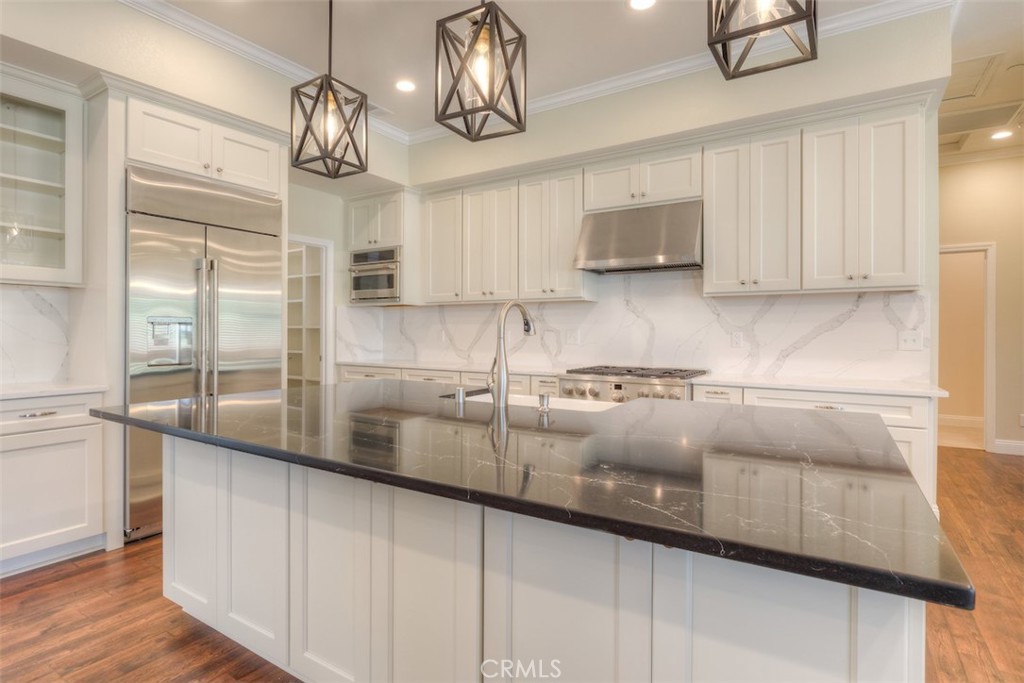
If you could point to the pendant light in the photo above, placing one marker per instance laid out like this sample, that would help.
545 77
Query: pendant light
481 74
735 26
329 122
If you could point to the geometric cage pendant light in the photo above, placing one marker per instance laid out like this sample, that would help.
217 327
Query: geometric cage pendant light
480 86
788 30
329 122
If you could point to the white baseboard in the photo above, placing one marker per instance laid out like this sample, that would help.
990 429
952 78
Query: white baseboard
961 421
1007 447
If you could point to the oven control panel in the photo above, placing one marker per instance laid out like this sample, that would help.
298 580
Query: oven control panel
594 388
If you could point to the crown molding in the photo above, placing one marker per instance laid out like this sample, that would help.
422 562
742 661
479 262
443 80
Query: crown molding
851 21
12 71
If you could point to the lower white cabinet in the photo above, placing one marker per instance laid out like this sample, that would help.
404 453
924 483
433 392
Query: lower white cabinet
706 394
51 489
352 373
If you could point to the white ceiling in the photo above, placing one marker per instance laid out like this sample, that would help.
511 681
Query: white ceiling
574 44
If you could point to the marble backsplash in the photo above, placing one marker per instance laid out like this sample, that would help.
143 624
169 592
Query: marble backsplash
33 334
661 319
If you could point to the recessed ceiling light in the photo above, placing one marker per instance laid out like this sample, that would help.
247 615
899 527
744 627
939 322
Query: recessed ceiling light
1002 134
641 4
405 86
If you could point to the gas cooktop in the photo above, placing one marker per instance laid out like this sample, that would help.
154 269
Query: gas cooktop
629 372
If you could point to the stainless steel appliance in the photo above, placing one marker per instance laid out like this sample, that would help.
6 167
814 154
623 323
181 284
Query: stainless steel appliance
375 275
203 308
619 384
663 237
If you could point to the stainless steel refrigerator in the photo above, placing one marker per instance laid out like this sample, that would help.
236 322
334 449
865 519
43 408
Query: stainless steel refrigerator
204 308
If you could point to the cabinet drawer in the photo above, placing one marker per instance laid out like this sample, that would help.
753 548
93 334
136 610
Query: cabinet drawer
440 376
709 394
896 411
352 373
22 415
517 384
544 385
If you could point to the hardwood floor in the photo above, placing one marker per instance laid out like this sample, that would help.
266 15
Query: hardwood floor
103 618
981 497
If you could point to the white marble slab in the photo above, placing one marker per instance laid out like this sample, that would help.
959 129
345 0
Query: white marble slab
42 389
33 334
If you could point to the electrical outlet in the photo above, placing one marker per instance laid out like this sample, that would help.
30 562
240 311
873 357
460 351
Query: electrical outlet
737 340
911 340
573 337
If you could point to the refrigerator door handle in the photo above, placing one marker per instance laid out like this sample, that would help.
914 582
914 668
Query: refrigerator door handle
214 322
200 345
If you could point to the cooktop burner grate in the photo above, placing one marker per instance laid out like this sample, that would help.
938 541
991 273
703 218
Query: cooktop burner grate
646 373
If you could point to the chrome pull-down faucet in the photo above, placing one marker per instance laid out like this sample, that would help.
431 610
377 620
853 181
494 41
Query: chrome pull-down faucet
499 368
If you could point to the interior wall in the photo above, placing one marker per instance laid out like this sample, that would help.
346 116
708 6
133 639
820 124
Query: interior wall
983 202
962 333
312 213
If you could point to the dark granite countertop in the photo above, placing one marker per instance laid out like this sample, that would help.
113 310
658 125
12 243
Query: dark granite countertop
809 492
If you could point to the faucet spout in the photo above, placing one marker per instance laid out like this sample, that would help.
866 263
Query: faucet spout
499 387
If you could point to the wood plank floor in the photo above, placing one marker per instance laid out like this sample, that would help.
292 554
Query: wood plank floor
981 497
103 618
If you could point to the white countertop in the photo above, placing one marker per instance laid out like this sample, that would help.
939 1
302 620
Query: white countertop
41 389
474 366
841 384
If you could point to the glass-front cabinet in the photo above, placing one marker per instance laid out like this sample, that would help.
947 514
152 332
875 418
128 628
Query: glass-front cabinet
41 156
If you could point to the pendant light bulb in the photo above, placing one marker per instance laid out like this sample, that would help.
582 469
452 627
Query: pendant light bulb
480 63
332 122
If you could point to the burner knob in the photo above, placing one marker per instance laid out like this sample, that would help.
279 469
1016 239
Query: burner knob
618 397
642 393
675 396
593 391
567 390
580 390
658 393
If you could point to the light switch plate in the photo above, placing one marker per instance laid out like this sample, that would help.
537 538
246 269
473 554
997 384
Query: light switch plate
737 340
911 340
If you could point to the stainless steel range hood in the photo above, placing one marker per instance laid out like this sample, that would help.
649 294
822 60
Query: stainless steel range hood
664 237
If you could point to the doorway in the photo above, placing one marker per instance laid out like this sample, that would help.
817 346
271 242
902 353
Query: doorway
308 317
966 344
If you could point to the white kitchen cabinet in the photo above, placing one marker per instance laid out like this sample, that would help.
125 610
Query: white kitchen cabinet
442 247
714 394
543 385
568 598
330 610
666 175
41 183
172 139
752 215
550 219
862 186
353 373
490 243
517 384
376 221
439 376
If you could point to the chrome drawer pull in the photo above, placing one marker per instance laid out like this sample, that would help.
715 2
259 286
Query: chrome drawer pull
715 392
41 413
827 407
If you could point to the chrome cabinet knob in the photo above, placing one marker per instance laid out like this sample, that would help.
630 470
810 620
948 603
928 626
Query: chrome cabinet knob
632 195
220 170
866 276
849 277
755 281
743 282
643 194
206 166
491 293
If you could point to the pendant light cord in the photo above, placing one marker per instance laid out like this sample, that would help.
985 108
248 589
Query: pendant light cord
330 36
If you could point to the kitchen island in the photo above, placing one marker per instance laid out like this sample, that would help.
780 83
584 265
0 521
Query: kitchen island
377 531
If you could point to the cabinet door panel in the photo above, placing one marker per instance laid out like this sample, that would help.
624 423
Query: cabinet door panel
503 254
50 488
775 213
361 224
917 449
330 575
246 160
611 184
566 206
670 174
252 586
168 138
490 243
534 242
442 230
567 597
389 223
727 218
830 205
890 191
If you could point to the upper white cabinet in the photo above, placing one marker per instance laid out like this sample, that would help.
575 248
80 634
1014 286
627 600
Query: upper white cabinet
550 218
442 247
752 215
171 139
862 186
490 244
662 176
41 157
376 221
